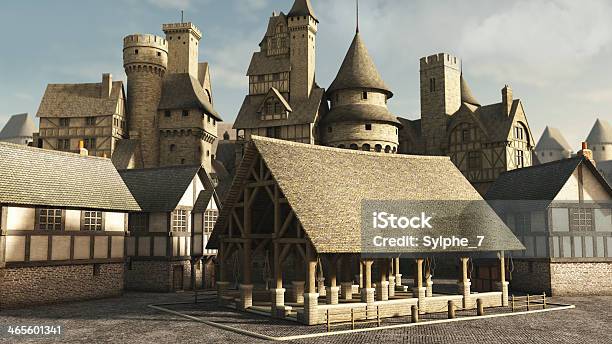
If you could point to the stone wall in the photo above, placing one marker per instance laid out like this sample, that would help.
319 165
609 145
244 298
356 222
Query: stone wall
156 276
588 278
27 286
531 276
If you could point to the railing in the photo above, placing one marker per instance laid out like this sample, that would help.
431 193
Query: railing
529 301
367 313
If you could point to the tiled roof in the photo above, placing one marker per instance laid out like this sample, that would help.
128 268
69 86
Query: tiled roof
159 189
125 152
262 64
358 70
20 125
79 100
540 182
183 91
552 139
325 188
605 167
39 177
304 112
600 133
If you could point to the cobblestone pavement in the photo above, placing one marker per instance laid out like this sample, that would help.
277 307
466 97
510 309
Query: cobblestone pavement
128 320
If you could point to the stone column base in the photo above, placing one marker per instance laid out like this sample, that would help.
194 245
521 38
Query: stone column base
221 290
428 287
391 286
382 291
420 294
277 297
398 280
347 290
331 295
298 291
321 286
504 289
246 296
464 289
311 308
367 295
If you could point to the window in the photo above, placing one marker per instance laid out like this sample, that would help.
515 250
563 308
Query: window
519 133
64 122
63 144
368 126
179 220
520 158
138 222
172 147
136 52
276 76
158 53
432 84
377 148
89 143
182 161
365 147
50 219
167 113
465 135
210 217
185 113
523 222
581 219
92 221
92 120
474 160
364 95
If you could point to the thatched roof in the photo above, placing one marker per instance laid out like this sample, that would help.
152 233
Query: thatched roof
326 186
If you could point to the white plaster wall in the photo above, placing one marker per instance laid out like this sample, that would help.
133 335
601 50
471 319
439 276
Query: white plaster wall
81 247
569 192
117 246
159 248
20 219
158 222
15 248
101 247
593 189
73 220
114 222
39 246
60 247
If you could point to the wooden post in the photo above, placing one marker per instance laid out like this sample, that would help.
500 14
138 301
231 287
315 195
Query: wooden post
352 319
502 268
480 307
246 246
464 268
419 273
328 325
368 273
543 300
527 301
414 314
513 302
311 271
451 309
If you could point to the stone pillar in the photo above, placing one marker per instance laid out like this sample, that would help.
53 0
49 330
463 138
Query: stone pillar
428 281
246 296
391 277
367 292
502 285
382 287
347 279
419 291
222 283
311 297
331 294
277 294
321 286
398 275
361 277
298 291
464 283
221 290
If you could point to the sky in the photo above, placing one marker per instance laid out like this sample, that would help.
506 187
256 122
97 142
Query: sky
555 54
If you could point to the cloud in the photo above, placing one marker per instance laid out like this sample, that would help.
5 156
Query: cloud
599 95
177 4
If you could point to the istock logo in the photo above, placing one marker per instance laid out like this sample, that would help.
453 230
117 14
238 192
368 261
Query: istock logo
383 220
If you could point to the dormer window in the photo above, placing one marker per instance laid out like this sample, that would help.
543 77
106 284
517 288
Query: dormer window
185 113
364 95
368 126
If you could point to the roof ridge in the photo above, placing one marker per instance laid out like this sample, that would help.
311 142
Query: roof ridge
160 168
51 151
344 150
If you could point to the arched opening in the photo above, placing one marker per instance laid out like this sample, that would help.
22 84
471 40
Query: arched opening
377 148
341 146
353 146
387 149
365 147
393 150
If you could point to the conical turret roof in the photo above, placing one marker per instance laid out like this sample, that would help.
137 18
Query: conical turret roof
466 93
301 8
600 133
358 70
20 125
552 139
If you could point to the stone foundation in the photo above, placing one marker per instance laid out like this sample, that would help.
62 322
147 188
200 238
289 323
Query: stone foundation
590 278
156 276
28 286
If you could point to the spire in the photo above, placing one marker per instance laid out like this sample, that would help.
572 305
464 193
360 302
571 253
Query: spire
357 16
466 93
358 70
600 133
552 139
302 8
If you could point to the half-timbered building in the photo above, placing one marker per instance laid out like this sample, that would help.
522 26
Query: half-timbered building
165 247
63 224
291 221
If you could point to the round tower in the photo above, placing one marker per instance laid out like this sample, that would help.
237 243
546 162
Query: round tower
145 59
600 140
359 117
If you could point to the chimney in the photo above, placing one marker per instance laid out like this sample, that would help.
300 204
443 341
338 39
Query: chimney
107 85
507 99
586 152
82 150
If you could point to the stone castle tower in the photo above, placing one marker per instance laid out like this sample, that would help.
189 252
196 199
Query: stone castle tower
169 97
440 81
358 117
600 140
145 59
302 43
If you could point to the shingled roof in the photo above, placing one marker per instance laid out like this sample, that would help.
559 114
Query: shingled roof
262 64
552 139
541 182
358 70
38 177
325 188
79 100
302 8
466 93
20 125
159 189
600 133
183 91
